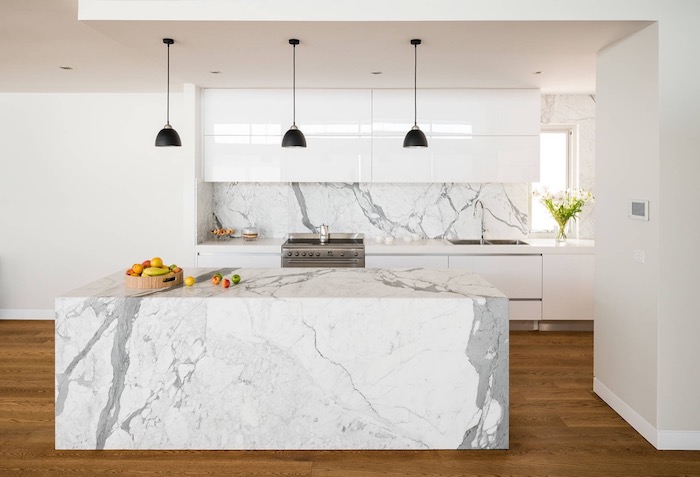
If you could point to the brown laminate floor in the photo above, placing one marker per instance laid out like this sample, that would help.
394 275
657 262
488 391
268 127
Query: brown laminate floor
558 427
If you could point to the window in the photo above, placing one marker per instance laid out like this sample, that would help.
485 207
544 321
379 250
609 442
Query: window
556 168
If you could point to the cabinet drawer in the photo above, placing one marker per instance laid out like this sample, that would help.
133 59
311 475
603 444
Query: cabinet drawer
401 261
517 276
248 260
525 309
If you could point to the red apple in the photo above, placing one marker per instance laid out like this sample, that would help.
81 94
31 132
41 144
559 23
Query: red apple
225 283
146 263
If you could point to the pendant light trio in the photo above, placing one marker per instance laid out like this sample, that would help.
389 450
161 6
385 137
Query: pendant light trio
294 137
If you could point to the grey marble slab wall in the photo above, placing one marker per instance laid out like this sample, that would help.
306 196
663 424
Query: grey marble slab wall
431 210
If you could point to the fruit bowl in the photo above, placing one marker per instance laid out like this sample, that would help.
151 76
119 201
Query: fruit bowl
144 282
222 233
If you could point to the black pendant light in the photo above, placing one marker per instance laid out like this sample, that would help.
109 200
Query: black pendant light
168 136
294 137
415 137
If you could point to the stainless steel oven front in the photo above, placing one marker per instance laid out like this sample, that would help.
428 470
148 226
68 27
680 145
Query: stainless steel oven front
336 251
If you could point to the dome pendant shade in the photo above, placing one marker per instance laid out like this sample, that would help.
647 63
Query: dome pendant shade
168 137
294 138
415 138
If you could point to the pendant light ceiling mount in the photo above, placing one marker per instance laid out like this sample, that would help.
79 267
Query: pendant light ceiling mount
294 137
415 137
168 136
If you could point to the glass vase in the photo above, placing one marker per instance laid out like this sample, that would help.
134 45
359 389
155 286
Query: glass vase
561 233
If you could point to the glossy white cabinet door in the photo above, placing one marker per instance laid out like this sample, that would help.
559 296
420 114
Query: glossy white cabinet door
525 310
517 276
486 159
457 112
473 136
246 260
243 131
568 287
246 112
401 261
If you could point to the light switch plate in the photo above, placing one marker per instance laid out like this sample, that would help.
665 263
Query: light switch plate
638 256
638 209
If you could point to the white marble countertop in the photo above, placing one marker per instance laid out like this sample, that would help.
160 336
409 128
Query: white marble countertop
309 283
400 247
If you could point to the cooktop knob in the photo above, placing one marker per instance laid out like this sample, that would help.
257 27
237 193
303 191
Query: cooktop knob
289 254
356 253
342 254
318 254
296 254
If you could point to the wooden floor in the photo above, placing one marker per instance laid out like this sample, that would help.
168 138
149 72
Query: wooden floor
558 427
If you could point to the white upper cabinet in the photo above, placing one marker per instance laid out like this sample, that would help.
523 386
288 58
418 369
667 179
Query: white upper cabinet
243 132
473 136
357 135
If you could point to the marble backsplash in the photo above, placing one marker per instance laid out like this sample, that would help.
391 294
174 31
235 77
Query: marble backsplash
431 210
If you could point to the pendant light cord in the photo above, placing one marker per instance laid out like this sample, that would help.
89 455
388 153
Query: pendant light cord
167 101
415 85
294 85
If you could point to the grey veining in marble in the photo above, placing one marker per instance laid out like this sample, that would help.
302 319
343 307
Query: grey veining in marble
287 359
431 210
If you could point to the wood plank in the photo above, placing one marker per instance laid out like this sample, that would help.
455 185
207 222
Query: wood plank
558 427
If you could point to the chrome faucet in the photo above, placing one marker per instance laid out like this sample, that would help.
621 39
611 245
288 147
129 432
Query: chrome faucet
323 233
478 202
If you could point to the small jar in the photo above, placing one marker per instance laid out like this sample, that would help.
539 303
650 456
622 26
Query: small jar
249 233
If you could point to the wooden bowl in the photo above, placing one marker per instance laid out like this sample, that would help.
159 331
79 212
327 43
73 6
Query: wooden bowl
150 283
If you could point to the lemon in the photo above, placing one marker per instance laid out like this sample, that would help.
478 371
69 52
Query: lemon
189 281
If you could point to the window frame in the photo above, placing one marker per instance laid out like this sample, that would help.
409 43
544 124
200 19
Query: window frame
572 167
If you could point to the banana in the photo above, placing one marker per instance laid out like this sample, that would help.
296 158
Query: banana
155 271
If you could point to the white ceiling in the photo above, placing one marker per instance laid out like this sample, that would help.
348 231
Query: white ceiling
39 36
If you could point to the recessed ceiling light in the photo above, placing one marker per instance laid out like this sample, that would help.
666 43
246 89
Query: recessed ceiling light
66 67
536 72
215 72
376 72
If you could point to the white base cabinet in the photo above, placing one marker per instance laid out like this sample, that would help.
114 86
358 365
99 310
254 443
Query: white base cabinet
403 261
567 287
249 260
519 277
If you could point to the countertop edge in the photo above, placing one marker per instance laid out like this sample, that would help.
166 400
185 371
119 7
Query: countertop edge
419 247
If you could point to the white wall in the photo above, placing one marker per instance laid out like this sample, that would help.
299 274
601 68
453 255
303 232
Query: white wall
84 192
627 167
679 227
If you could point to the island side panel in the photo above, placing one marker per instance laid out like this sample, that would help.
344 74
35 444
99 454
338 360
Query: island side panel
266 373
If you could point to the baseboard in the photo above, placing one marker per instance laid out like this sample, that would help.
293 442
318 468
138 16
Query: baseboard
632 417
25 314
662 440
679 440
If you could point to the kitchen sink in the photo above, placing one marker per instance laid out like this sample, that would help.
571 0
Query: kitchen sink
506 242
465 241
487 242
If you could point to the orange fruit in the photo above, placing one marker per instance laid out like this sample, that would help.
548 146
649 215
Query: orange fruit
157 262
137 268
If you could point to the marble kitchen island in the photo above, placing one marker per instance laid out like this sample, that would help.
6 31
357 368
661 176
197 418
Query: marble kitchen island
287 359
